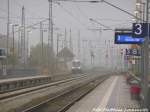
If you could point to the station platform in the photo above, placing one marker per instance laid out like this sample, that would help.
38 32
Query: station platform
111 96
21 78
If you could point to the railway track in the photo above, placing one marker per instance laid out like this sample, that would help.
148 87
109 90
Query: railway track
61 102
13 84
17 92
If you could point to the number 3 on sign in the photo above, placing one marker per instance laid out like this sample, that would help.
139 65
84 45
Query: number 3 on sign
138 30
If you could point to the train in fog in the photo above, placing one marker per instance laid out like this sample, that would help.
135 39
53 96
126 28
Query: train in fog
76 66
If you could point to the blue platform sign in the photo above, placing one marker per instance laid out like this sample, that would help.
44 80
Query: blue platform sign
126 38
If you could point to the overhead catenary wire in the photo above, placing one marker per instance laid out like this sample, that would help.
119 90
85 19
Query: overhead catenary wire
5 11
19 17
70 12
74 17
101 1
107 27
29 11
113 20
30 26
119 24
81 11
112 5
34 24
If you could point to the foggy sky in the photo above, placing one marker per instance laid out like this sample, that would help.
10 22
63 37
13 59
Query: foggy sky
70 15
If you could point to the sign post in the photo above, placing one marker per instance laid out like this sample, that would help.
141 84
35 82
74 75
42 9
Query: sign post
142 29
146 60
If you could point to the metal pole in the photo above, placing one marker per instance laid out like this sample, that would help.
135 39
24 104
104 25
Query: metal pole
19 40
28 46
24 40
109 52
84 53
13 47
23 49
142 49
57 43
112 58
65 44
108 66
106 54
100 48
41 39
79 44
146 61
50 38
49 28
57 51
62 44
143 12
71 46
7 36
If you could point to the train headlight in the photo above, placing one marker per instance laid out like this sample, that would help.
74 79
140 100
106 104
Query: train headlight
79 67
72 67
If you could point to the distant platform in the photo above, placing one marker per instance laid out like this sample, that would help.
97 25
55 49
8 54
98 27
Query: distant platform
22 78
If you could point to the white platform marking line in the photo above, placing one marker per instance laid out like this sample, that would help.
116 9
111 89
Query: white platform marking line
107 96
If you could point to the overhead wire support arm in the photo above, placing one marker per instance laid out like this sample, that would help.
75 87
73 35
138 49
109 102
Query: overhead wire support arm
99 23
87 1
74 17
110 4
101 1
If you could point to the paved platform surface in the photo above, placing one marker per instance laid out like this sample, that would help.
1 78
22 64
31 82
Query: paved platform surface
113 93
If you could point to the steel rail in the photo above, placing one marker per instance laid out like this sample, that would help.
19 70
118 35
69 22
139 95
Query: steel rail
31 89
64 108
29 82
